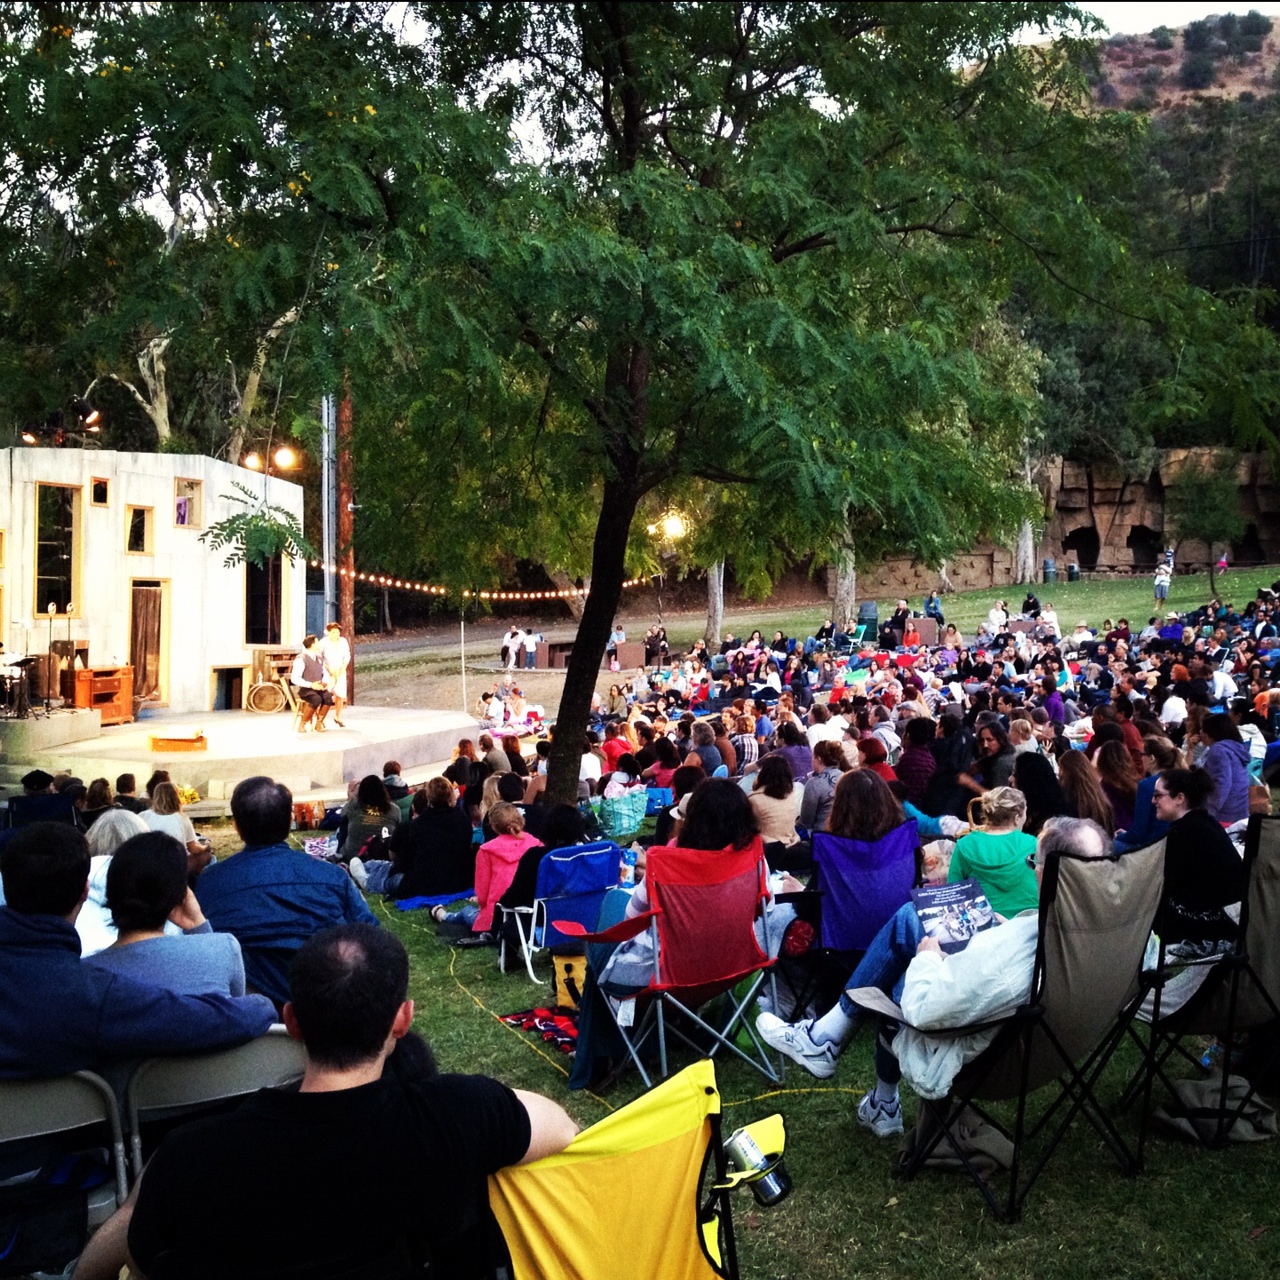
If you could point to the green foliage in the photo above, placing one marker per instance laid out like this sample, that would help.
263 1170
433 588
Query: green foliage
1198 36
1204 504
1197 71
259 533
1162 38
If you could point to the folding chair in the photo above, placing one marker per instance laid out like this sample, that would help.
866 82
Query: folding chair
572 883
1239 990
628 1196
1095 918
44 1108
163 1087
701 919
859 884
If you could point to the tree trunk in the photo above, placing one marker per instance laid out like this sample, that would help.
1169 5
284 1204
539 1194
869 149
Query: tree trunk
566 583
607 571
1213 572
250 397
944 578
386 611
844 606
715 607
346 552
1024 554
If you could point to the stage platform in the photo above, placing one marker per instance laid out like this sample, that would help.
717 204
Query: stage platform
242 744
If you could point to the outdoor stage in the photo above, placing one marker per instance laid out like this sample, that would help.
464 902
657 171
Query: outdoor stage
240 744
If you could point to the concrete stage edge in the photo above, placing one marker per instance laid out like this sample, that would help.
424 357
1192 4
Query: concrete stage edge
243 743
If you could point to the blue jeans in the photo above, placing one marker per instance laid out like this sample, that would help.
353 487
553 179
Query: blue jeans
381 879
884 965
530 657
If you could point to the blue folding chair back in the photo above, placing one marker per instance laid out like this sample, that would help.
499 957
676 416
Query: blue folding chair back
863 883
572 883
660 798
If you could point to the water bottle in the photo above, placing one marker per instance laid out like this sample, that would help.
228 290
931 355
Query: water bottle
627 870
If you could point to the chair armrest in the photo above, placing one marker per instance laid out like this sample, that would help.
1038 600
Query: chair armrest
618 933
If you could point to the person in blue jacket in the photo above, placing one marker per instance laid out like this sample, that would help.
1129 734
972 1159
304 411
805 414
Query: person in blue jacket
272 897
59 1015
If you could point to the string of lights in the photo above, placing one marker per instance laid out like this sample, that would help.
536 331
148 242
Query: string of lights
433 589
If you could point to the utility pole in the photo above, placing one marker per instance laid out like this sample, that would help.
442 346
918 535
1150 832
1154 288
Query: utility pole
346 522
329 504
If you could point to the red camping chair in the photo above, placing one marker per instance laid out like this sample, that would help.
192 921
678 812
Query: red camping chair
703 906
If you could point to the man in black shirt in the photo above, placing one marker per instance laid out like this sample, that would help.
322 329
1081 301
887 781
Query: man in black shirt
361 1171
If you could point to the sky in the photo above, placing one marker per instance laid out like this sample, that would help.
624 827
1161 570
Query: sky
1140 17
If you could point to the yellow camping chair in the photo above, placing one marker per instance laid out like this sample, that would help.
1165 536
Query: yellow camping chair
631 1196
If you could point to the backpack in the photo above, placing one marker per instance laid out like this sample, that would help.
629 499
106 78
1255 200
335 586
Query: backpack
44 1219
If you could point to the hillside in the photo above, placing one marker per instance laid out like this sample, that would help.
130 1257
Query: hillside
1226 58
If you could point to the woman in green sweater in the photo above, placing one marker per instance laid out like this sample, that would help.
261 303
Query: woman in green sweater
995 854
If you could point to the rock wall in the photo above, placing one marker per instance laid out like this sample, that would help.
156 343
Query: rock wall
1101 519
1107 520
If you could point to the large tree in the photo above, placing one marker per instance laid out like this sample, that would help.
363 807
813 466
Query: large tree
756 244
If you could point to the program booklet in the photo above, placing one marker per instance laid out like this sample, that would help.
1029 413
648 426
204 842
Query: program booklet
952 913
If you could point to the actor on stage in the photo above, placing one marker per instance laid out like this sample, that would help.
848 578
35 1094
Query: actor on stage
308 678
336 653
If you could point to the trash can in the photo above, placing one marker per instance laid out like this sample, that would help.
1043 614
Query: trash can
1050 570
1073 572
869 619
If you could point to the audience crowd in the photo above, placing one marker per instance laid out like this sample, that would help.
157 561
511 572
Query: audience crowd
121 937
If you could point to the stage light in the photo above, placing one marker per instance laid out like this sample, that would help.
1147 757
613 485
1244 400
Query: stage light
28 436
253 461
89 417
285 458
673 526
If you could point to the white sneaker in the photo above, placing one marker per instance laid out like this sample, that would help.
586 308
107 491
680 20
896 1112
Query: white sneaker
358 873
884 1119
795 1040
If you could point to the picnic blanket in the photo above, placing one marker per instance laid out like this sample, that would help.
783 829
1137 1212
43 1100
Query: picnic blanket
559 1029
433 900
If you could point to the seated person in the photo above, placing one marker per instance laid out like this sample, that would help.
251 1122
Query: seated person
126 793
990 978
432 854
147 887
308 680
397 787
370 812
60 1015
39 802
683 781
1203 873
773 801
372 1113
496 863
165 814
272 897
996 853
94 924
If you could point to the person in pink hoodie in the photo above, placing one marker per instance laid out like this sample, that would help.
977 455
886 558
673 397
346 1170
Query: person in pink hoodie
496 863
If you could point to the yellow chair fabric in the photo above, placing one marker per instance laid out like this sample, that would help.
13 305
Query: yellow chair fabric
622 1199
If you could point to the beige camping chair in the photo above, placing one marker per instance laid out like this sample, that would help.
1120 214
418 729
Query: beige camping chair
164 1087
44 1108
1237 991
1095 918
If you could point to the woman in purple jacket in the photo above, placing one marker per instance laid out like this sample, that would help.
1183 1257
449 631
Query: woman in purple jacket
1227 763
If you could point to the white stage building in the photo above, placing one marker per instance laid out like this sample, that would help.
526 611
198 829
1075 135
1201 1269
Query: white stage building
112 541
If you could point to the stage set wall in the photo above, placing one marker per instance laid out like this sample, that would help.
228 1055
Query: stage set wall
203 601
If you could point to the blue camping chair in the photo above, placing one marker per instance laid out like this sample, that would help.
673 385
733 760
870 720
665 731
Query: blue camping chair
572 883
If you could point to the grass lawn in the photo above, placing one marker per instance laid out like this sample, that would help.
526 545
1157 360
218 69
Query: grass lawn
1093 600
1192 1214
